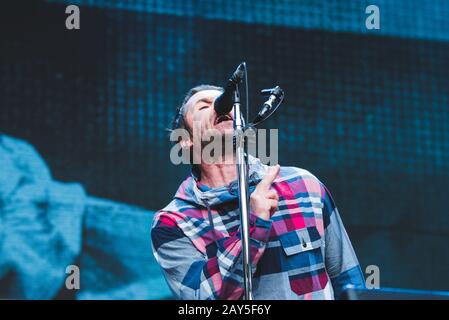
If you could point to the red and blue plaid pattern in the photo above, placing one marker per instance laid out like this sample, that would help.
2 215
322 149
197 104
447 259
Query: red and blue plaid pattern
302 252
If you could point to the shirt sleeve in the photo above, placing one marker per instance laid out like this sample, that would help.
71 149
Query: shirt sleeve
340 259
194 275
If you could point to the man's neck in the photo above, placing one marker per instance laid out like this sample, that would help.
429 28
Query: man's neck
217 175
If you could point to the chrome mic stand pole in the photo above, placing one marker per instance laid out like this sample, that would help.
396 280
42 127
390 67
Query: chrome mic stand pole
242 172
276 95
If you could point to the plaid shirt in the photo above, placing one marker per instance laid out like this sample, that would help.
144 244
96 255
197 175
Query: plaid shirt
302 252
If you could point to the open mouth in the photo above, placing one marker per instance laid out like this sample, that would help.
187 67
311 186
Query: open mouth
222 118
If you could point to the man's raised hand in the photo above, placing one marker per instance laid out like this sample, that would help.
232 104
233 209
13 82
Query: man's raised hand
264 201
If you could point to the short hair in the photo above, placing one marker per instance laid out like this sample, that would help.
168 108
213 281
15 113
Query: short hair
178 120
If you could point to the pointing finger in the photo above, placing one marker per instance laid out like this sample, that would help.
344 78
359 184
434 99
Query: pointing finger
266 182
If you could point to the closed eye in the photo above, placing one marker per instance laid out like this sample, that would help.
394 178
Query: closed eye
204 107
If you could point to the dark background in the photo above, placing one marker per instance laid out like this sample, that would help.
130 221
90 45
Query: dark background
366 111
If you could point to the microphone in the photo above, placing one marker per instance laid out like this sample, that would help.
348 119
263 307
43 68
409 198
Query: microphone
276 96
223 103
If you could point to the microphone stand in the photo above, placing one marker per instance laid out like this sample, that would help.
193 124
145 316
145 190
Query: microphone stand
276 97
242 172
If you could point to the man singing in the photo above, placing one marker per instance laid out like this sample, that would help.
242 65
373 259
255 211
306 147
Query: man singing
299 247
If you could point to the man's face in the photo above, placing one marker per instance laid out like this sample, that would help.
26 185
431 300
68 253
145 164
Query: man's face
200 112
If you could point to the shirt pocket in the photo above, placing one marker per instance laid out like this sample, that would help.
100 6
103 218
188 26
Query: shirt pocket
303 260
